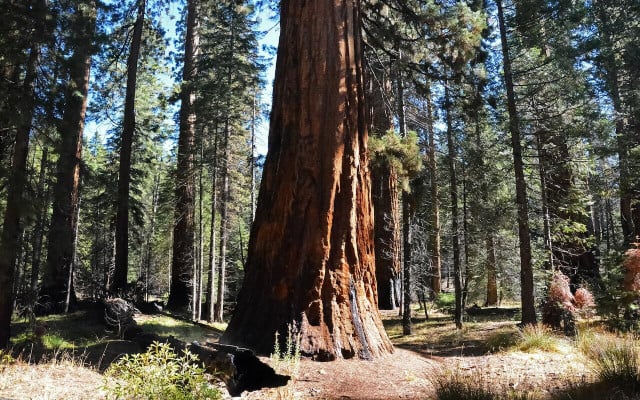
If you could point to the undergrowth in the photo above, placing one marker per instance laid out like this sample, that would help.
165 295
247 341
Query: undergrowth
537 337
286 362
458 386
159 374
615 360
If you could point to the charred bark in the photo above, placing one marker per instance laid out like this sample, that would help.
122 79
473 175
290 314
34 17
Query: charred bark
311 258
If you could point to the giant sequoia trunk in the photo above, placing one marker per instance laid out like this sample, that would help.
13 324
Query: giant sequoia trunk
57 280
184 229
311 257
124 174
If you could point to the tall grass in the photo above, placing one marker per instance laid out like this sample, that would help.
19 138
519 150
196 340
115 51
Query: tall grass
537 337
615 360
458 386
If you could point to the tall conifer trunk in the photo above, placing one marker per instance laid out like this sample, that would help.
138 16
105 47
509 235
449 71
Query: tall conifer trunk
126 142
66 190
182 262
453 190
526 267
311 257
12 229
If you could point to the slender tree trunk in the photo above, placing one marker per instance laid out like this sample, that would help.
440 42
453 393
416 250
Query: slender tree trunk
43 205
542 171
386 198
453 190
434 232
224 226
210 306
120 275
66 189
387 234
200 275
526 267
492 282
252 157
311 259
407 242
184 229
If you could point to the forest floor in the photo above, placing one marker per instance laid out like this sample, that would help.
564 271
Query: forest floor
483 350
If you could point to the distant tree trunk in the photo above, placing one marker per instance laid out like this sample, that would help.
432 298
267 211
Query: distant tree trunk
453 189
224 226
12 229
120 274
210 306
252 157
434 231
62 233
184 229
311 257
41 220
387 234
386 200
542 171
407 243
526 267
492 284
406 217
148 259
198 303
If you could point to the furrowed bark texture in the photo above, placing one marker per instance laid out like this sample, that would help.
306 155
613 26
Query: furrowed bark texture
55 282
311 253
184 229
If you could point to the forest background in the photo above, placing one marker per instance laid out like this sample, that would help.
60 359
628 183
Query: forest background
504 147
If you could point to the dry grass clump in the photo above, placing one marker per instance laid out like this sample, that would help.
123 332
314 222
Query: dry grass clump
61 376
459 386
614 359
537 337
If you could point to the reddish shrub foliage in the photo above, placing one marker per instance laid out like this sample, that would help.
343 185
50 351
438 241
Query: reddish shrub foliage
562 305
631 267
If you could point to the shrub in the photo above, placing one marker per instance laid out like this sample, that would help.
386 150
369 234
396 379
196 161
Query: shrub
159 374
446 302
631 266
561 306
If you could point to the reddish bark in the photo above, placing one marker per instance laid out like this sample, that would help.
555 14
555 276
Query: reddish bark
66 191
311 252
184 230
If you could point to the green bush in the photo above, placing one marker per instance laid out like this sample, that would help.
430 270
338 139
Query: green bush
159 374
446 302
